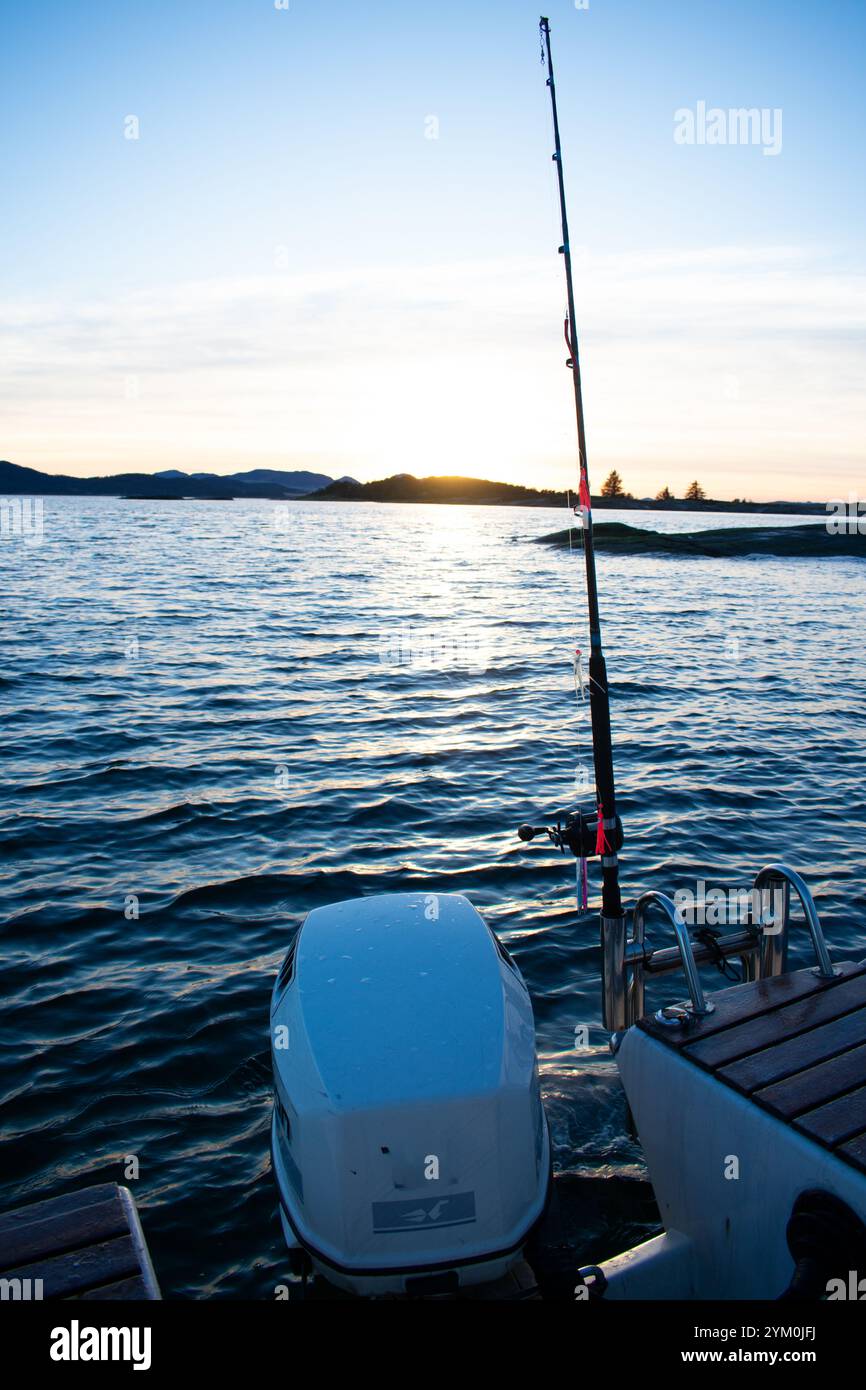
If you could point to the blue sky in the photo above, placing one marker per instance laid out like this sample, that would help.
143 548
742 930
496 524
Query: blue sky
283 270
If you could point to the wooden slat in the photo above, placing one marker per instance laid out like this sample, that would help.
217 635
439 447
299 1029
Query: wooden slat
855 1152
797 1054
839 1121
56 1234
743 1002
808 1089
768 1028
53 1207
80 1270
125 1288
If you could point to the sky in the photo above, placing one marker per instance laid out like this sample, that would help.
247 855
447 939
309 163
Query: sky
241 234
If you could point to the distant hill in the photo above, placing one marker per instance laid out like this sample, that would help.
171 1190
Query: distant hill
404 487
284 484
272 483
296 481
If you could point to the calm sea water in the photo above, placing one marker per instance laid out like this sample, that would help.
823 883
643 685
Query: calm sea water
217 722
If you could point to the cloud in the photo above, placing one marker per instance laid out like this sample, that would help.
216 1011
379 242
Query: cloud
740 365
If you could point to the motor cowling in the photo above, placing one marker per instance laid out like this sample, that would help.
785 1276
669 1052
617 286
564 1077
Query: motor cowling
409 1135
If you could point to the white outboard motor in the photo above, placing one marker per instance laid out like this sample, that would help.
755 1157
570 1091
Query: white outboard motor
409 1141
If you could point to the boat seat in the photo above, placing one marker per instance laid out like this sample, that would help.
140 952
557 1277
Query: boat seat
87 1244
794 1044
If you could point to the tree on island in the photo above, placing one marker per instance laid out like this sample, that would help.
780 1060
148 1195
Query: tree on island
612 486
695 493
665 495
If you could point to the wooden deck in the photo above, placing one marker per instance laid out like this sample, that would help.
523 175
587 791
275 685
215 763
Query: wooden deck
86 1245
796 1046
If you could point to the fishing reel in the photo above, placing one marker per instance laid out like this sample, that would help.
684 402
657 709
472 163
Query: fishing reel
578 833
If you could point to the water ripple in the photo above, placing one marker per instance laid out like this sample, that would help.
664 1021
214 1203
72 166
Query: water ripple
213 726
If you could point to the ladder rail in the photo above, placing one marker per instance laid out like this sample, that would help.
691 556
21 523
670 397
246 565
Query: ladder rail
700 1006
781 873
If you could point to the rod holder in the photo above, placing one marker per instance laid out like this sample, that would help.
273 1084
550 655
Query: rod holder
613 967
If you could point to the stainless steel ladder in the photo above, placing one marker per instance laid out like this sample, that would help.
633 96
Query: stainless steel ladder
761 946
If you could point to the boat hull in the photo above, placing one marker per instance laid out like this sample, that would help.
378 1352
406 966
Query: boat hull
726 1169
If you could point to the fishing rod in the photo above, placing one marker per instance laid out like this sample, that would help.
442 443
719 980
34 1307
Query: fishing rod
608 832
